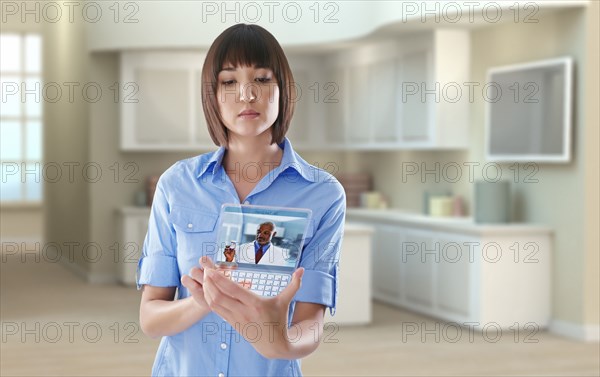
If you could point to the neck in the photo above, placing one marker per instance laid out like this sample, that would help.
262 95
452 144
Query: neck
252 150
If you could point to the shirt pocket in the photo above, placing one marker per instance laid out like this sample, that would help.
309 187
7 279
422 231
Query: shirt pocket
196 233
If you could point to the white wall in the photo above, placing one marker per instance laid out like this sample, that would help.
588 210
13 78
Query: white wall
591 292
66 130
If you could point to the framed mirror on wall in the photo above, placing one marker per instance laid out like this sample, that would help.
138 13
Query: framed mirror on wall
529 111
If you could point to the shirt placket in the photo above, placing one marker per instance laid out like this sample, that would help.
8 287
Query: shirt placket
223 353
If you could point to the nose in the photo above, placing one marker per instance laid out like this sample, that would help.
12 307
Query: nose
248 92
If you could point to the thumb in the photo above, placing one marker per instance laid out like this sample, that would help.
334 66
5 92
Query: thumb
289 292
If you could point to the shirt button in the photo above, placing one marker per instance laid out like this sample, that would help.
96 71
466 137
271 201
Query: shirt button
190 225
223 346
221 374
246 202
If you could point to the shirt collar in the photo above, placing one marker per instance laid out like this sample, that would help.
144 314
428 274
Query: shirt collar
290 160
214 162
257 246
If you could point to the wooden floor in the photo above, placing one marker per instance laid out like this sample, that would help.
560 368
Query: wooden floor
54 324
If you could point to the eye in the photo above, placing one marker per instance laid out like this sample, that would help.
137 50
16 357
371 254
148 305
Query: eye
263 79
227 82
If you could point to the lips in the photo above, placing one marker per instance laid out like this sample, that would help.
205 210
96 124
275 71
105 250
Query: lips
248 113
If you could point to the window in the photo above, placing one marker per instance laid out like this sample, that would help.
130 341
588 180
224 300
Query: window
21 127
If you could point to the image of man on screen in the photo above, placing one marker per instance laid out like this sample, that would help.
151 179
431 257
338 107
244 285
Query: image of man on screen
261 250
229 252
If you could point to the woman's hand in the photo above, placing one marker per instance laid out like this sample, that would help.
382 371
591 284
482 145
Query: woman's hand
193 282
240 307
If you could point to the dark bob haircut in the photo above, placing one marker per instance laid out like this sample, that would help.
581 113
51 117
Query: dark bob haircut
246 45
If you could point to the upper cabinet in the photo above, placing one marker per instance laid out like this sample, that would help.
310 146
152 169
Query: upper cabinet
407 93
402 93
162 107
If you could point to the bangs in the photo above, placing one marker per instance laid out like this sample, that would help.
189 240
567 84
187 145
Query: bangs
245 47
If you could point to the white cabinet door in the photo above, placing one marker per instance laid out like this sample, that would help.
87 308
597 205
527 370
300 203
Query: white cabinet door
358 125
335 104
354 280
453 277
419 259
383 101
166 113
415 107
386 264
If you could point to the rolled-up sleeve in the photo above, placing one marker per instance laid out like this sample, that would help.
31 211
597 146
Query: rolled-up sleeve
320 257
158 263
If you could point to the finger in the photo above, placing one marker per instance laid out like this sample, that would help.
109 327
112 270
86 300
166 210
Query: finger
232 289
197 274
191 284
223 283
215 306
219 301
289 292
206 262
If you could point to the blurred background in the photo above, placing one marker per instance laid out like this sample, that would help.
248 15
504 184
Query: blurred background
465 135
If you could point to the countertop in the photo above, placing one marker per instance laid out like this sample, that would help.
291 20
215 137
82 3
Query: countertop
453 224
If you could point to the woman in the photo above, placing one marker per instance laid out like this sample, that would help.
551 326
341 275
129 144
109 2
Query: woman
217 327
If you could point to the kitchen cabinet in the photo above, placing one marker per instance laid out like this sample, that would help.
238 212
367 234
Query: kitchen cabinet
432 67
398 94
335 107
162 102
390 94
415 113
382 99
418 267
358 128
459 271
132 226
354 280
386 263
447 60
453 282
161 106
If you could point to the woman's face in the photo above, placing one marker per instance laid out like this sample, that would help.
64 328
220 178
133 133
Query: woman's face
248 99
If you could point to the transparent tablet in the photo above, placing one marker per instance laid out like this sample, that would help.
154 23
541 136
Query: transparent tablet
261 245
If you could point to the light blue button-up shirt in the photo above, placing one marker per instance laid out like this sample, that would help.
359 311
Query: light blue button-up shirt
182 228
